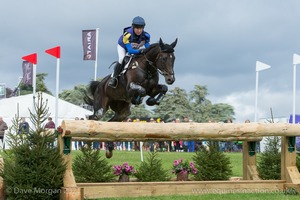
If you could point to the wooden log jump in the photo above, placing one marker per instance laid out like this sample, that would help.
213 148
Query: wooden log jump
139 131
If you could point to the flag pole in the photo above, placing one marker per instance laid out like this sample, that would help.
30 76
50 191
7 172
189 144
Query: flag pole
34 80
96 59
57 90
56 53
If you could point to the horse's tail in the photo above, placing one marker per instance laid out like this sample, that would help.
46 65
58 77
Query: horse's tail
91 90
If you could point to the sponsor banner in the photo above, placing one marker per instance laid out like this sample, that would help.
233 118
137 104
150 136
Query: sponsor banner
27 72
89 44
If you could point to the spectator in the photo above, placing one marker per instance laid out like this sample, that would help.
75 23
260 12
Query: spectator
76 143
151 143
3 127
190 144
23 126
178 145
50 123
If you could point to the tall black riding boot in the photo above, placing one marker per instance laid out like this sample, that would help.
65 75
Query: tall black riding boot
113 82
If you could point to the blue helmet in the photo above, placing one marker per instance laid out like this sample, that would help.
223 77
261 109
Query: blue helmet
138 22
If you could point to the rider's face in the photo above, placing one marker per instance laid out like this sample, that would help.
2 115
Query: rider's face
138 30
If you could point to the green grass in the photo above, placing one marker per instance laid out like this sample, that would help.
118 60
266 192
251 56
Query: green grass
134 159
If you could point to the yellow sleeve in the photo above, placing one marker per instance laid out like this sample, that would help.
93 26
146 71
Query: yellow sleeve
126 37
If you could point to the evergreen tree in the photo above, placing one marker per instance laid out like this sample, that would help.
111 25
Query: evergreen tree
91 167
33 168
152 169
212 164
269 162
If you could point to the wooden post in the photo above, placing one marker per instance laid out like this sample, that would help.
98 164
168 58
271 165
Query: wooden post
289 171
70 191
249 163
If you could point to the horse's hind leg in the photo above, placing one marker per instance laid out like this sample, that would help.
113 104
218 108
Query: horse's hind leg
122 110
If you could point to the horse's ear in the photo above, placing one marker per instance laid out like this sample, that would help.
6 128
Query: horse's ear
161 42
174 44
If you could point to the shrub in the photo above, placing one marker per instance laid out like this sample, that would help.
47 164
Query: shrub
151 169
212 164
269 161
91 167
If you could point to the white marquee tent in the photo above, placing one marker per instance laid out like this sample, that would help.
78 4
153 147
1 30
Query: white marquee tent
9 107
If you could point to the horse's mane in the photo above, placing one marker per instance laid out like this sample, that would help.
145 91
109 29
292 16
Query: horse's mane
154 45
164 47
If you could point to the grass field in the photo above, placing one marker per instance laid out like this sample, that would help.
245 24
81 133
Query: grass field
134 158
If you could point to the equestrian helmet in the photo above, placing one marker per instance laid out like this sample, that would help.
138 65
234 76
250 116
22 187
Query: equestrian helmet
138 22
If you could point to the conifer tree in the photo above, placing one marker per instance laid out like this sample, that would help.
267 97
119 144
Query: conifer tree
89 166
269 162
151 169
212 164
33 168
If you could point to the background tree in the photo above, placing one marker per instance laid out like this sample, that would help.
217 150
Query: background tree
200 105
40 85
174 105
221 112
140 111
74 96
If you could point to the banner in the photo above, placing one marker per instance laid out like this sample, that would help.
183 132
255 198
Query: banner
27 72
89 44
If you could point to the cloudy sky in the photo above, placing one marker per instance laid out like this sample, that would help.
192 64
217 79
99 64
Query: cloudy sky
219 42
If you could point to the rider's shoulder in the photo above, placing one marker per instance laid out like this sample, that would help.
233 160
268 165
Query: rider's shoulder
147 35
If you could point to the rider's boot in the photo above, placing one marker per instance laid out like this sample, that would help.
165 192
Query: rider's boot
113 82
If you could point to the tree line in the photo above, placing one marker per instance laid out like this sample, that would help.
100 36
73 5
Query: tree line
177 103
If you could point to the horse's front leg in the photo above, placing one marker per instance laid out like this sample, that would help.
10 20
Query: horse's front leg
157 95
136 93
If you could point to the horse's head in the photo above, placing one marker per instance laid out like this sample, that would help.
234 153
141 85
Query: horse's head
165 61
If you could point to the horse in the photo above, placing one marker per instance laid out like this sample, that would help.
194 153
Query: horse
140 79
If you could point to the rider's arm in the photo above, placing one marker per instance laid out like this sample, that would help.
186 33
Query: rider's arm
131 50
126 41
147 42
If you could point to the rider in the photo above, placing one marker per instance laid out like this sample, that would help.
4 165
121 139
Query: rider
133 38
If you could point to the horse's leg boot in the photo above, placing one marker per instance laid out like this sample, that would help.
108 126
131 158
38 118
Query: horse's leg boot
113 82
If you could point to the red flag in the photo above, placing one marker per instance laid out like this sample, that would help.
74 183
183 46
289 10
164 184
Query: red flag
32 58
54 51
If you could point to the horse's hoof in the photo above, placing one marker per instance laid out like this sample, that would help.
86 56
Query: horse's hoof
109 154
151 102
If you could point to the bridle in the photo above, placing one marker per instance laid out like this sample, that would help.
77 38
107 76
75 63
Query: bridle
152 64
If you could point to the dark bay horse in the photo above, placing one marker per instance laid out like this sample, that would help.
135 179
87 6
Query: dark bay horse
139 80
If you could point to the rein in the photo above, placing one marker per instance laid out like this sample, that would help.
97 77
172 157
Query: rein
152 63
